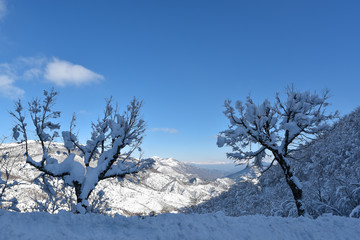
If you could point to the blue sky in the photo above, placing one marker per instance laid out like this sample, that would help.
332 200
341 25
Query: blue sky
183 58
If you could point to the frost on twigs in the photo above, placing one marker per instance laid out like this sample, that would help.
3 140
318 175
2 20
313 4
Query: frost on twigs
277 129
107 153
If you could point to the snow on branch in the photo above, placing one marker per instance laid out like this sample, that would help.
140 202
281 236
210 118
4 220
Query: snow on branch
277 128
106 154
274 126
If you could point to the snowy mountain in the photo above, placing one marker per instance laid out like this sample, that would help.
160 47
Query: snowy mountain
168 186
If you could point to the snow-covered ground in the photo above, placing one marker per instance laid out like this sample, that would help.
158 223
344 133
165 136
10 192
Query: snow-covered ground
173 226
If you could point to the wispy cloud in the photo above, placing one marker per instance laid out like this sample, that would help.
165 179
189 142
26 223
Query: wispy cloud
3 9
212 163
7 88
7 80
165 130
83 112
64 73
59 72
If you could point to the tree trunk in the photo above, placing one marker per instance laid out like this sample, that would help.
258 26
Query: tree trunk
79 199
293 183
297 194
78 192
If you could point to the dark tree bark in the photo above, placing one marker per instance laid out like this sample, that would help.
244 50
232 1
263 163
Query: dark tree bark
289 177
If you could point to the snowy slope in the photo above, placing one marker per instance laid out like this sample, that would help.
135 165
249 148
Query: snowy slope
168 186
248 173
329 169
174 226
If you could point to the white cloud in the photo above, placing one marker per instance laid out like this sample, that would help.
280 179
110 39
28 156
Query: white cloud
19 69
59 72
64 73
165 130
3 9
7 88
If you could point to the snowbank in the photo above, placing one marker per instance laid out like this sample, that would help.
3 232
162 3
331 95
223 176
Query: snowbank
173 226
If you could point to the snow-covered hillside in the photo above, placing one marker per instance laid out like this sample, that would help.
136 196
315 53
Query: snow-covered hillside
168 186
328 168
41 226
248 173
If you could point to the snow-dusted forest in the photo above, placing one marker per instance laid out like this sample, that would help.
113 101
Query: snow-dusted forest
303 161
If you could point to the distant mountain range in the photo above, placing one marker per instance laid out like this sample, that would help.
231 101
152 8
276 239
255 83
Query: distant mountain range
219 169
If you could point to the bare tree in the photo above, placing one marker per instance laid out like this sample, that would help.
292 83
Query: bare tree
107 154
280 129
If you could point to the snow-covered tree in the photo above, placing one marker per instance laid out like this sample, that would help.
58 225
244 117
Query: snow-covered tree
107 154
329 169
55 195
276 129
7 180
